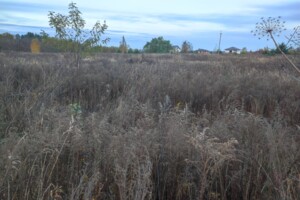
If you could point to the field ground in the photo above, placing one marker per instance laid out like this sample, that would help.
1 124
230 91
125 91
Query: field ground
149 127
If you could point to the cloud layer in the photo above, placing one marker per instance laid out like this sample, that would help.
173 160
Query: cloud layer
199 22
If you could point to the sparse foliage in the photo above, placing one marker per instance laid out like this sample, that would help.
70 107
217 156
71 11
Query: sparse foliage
72 27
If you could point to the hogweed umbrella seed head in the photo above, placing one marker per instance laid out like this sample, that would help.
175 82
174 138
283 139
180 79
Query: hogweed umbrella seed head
268 27
274 26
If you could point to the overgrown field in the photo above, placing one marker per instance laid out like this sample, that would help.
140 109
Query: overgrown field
161 127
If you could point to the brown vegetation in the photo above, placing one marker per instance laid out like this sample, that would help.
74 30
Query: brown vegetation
35 46
149 127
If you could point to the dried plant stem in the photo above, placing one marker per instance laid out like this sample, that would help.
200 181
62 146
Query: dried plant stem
284 55
8 190
61 148
239 141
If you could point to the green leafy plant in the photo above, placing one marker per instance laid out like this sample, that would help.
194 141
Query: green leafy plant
283 47
244 50
158 45
72 27
76 111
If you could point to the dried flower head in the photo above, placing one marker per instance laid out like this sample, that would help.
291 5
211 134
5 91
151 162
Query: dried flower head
268 27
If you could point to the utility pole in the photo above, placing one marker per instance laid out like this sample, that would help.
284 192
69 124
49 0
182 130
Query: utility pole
219 49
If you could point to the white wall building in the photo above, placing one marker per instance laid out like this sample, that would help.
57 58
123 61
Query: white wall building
233 50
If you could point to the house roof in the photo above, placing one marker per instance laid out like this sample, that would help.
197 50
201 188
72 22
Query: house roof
202 50
232 49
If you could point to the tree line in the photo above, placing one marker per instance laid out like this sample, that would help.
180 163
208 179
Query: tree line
46 43
23 43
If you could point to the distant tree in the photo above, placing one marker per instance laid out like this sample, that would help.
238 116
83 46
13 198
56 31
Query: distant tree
136 51
244 50
268 28
123 46
186 47
158 45
30 35
27 40
17 36
130 50
105 49
35 46
44 35
7 42
282 47
72 27
54 44
6 36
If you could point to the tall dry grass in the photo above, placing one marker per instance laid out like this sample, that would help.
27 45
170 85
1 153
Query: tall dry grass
148 127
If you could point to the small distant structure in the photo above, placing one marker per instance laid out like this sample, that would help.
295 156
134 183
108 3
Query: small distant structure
175 49
233 50
202 51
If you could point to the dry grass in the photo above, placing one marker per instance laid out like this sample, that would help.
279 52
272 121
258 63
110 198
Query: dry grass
149 127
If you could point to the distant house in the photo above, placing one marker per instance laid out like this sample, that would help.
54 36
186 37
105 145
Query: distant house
202 51
175 49
233 50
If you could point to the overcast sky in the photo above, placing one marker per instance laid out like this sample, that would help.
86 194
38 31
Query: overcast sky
197 21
